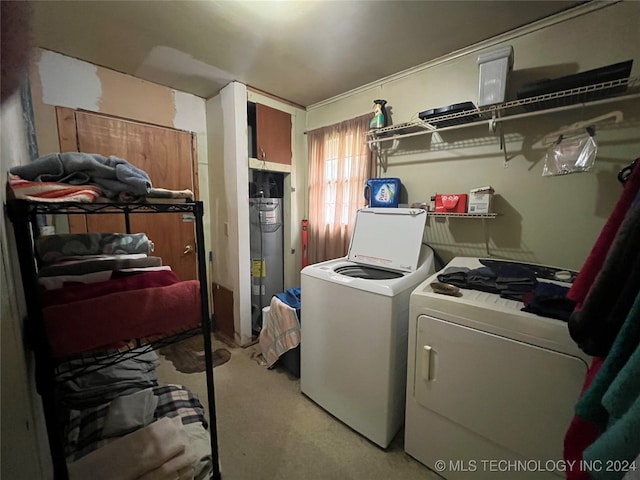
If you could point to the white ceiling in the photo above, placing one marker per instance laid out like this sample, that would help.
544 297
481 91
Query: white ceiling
301 51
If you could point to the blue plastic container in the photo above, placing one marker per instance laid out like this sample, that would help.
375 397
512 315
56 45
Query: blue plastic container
382 192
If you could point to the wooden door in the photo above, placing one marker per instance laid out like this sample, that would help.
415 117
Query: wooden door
273 135
168 157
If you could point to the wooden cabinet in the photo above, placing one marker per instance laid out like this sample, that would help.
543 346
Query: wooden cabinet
269 132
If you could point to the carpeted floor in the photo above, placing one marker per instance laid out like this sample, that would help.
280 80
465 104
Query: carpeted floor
268 430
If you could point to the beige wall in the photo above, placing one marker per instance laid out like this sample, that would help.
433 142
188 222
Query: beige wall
218 193
551 220
23 436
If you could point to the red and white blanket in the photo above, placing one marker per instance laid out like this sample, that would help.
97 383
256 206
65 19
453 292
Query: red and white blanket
52 191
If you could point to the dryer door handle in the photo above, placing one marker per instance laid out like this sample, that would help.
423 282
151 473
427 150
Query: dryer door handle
426 362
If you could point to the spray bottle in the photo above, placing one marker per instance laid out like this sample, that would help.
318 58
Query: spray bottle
379 119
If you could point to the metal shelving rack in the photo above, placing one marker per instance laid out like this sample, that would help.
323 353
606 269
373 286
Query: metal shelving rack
495 115
23 215
462 215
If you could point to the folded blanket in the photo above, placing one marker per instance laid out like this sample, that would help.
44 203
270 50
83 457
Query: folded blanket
281 332
127 413
180 466
200 442
58 281
111 174
515 281
81 267
156 193
483 279
75 293
455 276
123 272
508 281
135 372
186 473
102 256
53 248
135 454
52 191
111 320
84 431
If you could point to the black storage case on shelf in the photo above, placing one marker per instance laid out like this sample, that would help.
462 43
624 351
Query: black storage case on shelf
610 73
435 113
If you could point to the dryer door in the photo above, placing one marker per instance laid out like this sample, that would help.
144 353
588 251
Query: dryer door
511 393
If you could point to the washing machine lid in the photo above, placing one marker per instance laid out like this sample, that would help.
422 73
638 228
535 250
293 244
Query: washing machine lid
388 238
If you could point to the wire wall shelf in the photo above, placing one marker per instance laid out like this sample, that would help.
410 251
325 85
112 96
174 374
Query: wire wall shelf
594 94
106 207
462 215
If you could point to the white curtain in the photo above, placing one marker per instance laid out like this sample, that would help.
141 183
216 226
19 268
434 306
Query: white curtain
339 163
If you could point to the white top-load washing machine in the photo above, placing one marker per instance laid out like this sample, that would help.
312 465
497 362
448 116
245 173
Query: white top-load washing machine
355 311
491 389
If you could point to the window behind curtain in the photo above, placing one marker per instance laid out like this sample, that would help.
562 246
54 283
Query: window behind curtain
339 164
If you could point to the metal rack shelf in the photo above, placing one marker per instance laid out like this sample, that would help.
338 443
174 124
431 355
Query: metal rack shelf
482 216
494 114
71 208
23 215
89 362
28 209
462 215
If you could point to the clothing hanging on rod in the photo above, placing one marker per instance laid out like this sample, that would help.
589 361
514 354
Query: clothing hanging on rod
589 125
605 324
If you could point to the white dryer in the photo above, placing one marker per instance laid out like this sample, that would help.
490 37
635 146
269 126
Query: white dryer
491 389
354 319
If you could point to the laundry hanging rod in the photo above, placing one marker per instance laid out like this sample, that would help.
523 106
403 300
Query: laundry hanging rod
580 126
566 107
